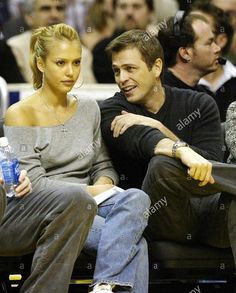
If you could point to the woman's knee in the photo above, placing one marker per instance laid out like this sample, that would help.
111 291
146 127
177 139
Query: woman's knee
139 198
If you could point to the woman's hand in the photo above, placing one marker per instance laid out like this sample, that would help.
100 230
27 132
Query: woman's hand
24 187
99 188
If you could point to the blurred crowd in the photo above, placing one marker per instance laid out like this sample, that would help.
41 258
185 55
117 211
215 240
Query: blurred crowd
97 22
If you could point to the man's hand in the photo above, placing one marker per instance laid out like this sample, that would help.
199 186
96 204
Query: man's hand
96 189
199 168
24 187
122 122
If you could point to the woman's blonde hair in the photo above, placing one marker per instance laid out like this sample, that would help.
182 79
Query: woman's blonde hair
42 41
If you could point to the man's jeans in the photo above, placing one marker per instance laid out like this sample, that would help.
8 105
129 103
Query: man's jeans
116 235
182 211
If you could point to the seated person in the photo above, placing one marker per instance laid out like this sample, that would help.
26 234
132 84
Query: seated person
167 141
230 132
60 146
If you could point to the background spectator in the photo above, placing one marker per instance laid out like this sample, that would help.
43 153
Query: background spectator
42 13
230 7
190 51
129 14
9 69
99 24
222 82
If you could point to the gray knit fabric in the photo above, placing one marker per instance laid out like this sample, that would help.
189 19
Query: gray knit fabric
77 156
230 132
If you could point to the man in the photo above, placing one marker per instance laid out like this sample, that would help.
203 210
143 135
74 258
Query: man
162 139
39 13
229 6
129 14
190 50
222 82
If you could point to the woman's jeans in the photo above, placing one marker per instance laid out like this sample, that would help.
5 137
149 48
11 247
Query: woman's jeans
116 235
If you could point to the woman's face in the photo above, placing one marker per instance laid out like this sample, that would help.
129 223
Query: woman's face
62 65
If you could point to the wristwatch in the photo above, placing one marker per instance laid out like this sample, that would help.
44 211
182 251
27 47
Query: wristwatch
176 145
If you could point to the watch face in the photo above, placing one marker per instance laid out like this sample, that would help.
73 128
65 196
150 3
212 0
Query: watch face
182 144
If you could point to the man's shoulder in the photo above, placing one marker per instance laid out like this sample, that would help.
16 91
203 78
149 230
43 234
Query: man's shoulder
183 94
116 100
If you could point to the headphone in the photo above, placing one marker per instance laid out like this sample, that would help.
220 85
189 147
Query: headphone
177 23
178 39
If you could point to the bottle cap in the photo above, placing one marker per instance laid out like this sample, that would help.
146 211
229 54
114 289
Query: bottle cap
3 141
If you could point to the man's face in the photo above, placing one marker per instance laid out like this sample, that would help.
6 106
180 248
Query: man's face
133 77
228 6
132 14
205 52
47 12
210 19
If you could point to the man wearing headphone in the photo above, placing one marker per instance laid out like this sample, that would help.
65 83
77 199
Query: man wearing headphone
190 50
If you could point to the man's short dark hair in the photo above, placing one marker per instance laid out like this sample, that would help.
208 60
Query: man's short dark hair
148 46
222 20
186 37
149 3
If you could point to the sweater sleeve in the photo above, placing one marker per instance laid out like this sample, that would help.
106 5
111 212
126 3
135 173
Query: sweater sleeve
102 166
206 132
138 141
26 144
230 129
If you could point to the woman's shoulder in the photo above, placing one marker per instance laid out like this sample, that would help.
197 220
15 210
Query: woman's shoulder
20 113
89 103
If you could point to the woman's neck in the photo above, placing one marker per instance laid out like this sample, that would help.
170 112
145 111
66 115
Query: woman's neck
56 100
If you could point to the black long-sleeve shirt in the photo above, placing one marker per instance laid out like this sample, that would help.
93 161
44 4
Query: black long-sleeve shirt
192 116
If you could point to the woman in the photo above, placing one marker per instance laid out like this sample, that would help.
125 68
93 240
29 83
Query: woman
58 140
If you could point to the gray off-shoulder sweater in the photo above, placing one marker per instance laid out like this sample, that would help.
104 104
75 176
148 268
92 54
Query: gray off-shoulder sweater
50 154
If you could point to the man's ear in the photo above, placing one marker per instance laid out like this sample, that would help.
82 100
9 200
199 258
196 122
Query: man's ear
185 54
40 64
221 40
157 67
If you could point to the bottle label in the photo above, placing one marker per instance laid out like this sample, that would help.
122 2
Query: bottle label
15 171
7 172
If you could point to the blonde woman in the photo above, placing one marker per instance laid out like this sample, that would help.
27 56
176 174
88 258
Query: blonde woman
58 140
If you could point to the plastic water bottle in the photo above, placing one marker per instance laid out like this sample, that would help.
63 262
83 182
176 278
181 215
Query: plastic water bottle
9 166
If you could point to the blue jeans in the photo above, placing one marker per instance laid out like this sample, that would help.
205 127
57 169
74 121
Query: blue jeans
116 235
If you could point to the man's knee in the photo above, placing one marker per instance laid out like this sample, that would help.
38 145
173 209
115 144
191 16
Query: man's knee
162 166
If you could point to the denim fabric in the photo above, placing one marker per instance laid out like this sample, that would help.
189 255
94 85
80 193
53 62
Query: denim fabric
53 223
116 235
